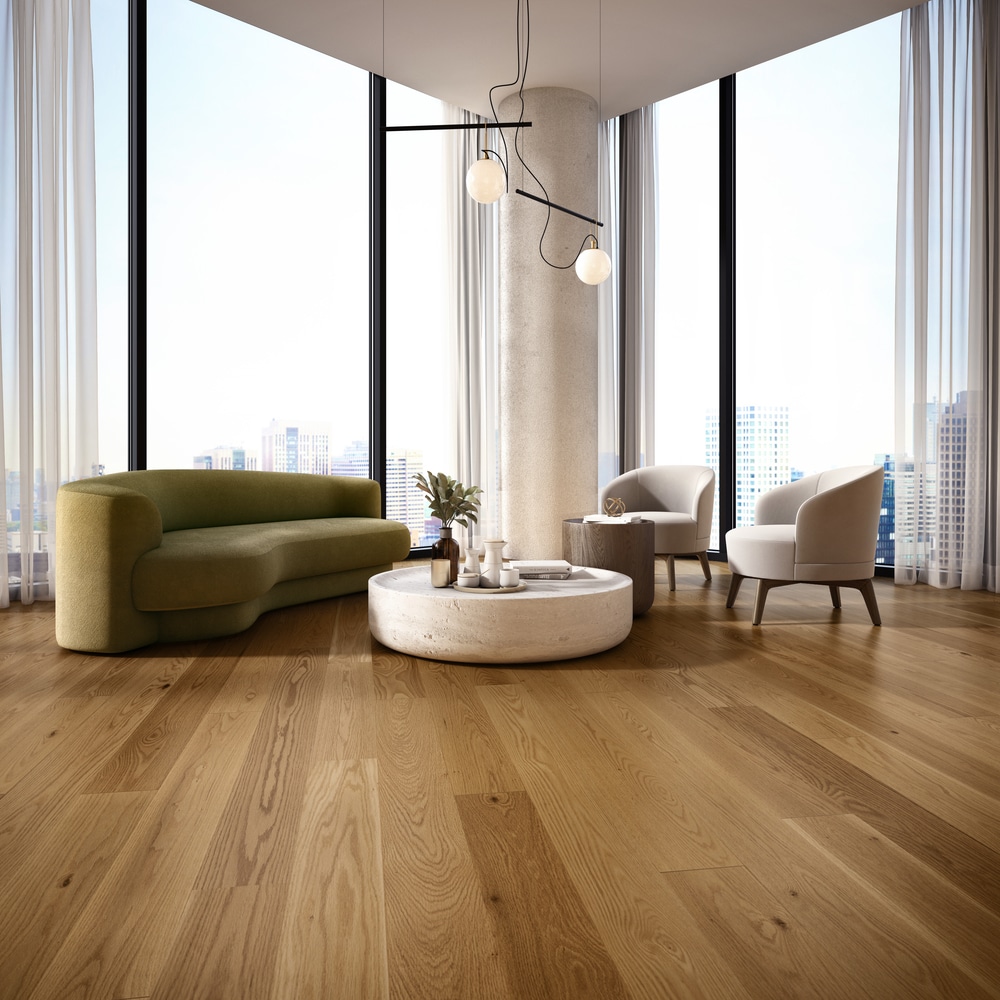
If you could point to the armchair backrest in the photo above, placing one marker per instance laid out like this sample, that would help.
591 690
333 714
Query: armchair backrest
684 489
835 513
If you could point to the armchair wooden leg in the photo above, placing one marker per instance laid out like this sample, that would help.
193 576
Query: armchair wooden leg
705 568
734 589
763 586
867 589
671 577
835 595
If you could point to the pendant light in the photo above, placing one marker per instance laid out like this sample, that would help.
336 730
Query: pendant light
486 179
593 265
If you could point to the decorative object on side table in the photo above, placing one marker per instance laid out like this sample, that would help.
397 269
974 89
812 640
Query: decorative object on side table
614 506
450 502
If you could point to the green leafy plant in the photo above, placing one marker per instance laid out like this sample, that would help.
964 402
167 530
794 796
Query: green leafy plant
449 500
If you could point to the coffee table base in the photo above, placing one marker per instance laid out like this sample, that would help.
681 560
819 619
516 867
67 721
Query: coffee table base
548 620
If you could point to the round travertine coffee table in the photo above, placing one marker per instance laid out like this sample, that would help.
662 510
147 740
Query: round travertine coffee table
547 620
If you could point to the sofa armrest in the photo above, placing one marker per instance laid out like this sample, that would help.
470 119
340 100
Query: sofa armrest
101 530
357 497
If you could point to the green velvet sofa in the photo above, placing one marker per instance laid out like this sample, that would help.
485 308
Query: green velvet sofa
167 555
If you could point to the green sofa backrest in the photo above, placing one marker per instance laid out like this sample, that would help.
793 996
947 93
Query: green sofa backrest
206 498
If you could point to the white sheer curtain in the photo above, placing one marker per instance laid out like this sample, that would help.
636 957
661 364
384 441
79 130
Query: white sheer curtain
48 312
608 364
946 337
472 250
637 283
627 315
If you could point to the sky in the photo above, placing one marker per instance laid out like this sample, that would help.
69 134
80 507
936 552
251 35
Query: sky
816 150
258 278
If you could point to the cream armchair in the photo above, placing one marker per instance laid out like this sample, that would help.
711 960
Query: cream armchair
820 529
679 500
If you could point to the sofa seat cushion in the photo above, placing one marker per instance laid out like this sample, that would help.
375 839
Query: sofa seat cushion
208 567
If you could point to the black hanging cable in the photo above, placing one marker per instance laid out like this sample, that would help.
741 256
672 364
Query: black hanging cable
500 86
517 133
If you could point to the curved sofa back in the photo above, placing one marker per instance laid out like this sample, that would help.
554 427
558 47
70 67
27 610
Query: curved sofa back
207 498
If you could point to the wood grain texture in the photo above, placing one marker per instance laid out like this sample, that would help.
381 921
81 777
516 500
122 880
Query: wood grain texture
709 810
333 940
549 945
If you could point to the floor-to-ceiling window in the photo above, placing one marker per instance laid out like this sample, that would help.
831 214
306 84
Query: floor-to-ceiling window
257 312
816 141
815 166
109 38
421 377
687 283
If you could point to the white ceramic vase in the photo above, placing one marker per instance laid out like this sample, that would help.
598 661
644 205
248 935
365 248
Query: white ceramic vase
472 560
492 563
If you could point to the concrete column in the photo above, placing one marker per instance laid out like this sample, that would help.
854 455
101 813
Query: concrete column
547 390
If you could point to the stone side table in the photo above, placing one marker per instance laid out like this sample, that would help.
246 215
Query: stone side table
625 548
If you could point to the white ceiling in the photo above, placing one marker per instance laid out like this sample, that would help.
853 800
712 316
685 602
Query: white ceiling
625 53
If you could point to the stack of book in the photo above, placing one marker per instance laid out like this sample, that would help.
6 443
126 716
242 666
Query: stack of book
542 569
608 519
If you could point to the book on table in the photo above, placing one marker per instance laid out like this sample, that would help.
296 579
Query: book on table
542 569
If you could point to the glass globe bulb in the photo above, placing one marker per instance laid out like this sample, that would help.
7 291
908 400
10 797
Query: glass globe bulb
485 181
593 266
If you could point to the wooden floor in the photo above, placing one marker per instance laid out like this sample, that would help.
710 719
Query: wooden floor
807 809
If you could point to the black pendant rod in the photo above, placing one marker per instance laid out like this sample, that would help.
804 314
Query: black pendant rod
552 204
439 128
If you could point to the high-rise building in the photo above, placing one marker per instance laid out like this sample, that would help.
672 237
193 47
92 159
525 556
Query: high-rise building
226 458
951 443
352 462
762 460
300 447
404 501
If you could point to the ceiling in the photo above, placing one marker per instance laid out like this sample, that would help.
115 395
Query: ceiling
625 53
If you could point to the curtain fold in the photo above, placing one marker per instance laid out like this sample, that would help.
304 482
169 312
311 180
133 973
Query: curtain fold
990 243
637 285
48 312
946 331
473 244
608 367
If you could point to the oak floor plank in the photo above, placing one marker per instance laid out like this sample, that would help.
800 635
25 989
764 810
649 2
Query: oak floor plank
39 796
226 948
254 841
549 944
395 673
645 928
440 938
333 940
119 944
345 726
145 759
781 791
636 775
939 910
47 891
40 731
472 750
771 953
962 805
961 859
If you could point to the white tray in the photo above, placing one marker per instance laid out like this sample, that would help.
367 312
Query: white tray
487 590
